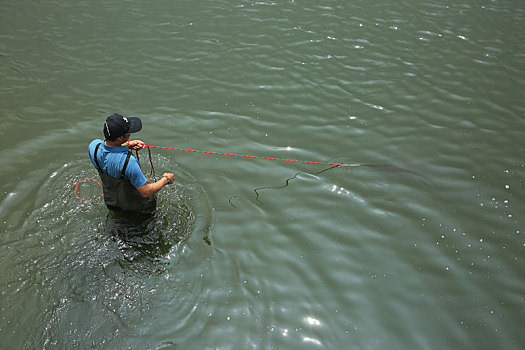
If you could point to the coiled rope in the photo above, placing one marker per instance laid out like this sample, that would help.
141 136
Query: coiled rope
83 199
151 175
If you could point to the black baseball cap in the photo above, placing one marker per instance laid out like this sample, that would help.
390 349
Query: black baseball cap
117 125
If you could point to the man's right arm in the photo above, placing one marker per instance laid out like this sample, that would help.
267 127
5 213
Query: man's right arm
148 190
91 150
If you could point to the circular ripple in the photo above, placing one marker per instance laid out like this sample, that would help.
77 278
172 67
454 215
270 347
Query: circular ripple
100 272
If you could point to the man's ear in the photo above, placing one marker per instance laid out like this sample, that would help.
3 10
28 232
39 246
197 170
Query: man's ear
121 139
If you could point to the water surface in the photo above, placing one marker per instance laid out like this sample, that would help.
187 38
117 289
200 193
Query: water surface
421 247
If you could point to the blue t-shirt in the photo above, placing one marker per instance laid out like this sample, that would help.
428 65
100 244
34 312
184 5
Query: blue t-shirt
112 159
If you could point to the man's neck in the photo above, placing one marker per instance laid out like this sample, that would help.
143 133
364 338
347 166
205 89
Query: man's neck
112 143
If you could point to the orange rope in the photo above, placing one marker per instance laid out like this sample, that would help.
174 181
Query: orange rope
245 156
152 173
87 200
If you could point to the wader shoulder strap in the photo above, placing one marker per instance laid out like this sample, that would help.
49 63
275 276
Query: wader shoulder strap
95 157
123 172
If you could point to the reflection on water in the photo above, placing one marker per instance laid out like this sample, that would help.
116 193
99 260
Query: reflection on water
387 168
145 236
286 183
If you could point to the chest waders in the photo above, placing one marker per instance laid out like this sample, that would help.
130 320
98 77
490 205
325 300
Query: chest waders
121 195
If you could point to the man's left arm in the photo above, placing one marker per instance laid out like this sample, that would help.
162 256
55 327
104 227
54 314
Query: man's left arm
134 144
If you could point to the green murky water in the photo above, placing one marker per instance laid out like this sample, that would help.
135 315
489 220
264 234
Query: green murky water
421 249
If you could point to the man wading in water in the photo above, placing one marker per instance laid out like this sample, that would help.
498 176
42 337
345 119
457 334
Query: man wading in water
125 186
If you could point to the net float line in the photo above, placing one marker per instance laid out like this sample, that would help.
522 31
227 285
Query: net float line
254 157
152 170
